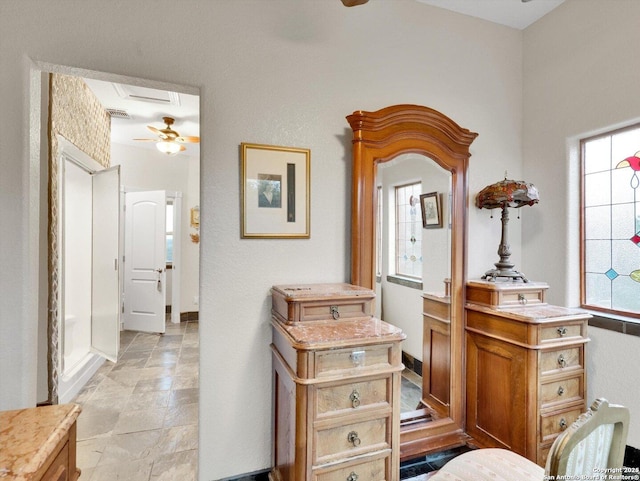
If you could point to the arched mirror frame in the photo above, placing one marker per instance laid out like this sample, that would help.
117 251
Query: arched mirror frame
377 138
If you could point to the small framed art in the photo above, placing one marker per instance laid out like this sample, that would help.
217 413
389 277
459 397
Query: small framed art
430 205
275 191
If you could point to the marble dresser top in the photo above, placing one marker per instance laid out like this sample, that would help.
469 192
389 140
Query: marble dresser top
28 437
320 334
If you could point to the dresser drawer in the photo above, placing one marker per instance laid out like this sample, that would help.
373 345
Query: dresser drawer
566 390
559 333
559 360
554 424
348 440
59 469
355 360
369 470
506 294
319 302
352 396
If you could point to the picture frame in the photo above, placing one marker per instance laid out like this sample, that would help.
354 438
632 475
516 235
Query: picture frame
194 220
275 192
431 207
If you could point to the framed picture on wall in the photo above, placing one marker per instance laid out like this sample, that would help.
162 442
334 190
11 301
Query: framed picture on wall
430 205
275 191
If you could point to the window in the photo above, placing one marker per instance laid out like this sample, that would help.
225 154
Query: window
408 231
610 261
169 234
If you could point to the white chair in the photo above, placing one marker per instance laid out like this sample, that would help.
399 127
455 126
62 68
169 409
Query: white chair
591 448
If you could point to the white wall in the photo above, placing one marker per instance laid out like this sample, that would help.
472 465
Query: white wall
282 72
146 169
580 75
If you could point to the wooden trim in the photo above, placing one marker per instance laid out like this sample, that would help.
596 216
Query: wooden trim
379 137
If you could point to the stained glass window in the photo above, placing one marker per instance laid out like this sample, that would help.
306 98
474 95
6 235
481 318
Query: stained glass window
408 231
611 222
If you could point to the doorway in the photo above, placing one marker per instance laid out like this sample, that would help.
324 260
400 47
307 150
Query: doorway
130 165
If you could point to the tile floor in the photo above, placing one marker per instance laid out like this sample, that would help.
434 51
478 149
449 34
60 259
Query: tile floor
410 392
139 419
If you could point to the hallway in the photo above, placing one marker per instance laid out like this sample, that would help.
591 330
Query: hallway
139 419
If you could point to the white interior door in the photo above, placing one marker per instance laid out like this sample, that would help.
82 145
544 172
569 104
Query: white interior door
145 261
105 286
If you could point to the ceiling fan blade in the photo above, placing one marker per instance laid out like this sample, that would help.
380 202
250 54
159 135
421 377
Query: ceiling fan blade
158 132
188 138
147 140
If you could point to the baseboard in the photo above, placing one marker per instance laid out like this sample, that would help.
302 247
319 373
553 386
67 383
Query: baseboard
184 316
189 316
70 385
631 458
412 363
262 475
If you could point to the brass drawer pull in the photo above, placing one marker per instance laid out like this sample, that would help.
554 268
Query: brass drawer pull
562 362
355 398
560 391
352 477
562 331
563 424
353 438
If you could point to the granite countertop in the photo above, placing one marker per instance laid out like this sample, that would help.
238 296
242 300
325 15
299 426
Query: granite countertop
532 314
28 437
320 291
318 334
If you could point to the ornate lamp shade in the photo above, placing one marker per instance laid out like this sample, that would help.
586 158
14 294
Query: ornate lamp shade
507 193
502 195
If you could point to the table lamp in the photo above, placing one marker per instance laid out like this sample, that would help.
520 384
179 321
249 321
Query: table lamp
505 194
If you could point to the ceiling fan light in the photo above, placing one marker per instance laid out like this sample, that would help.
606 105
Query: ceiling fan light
168 147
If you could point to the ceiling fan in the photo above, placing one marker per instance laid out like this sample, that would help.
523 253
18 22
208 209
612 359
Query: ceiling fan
169 141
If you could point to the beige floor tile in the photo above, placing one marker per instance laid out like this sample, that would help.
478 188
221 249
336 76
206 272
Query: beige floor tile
141 420
184 382
147 400
177 439
124 448
91 426
181 415
133 471
141 423
89 452
187 369
180 465
104 405
178 397
154 384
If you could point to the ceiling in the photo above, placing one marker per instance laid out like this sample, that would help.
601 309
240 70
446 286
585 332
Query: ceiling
134 107
145 106
512 13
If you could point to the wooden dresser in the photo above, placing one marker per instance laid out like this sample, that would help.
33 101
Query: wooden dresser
39 444
336 386
526 376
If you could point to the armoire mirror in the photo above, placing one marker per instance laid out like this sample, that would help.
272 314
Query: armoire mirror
385 136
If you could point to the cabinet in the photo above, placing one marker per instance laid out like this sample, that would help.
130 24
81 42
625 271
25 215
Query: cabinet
336 395
436 369
526 375
39 444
